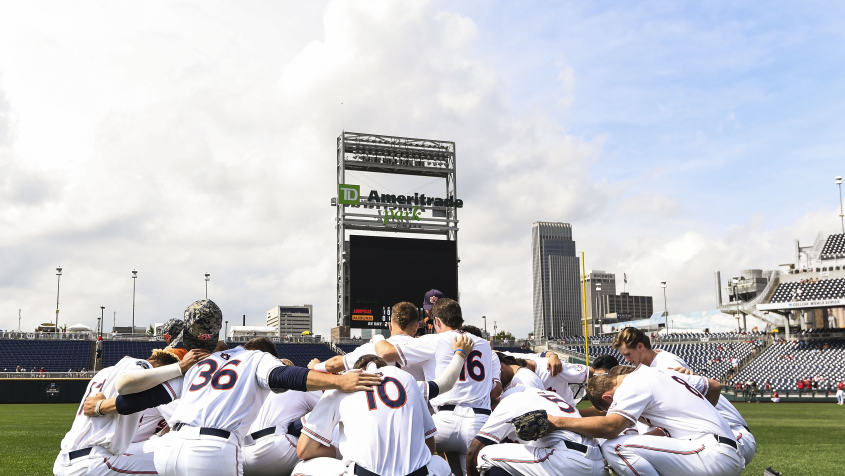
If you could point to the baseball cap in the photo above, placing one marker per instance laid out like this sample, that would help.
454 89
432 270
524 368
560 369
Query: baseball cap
203 320
171 329
431 297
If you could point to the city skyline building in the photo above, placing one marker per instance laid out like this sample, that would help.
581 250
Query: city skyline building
605 307
291 320
557 281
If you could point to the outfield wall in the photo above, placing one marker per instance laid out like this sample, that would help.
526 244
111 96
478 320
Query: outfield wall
42 390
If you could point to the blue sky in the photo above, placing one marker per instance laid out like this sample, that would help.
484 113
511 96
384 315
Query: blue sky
181 138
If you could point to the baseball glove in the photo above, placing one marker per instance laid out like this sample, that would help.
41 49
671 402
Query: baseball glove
532 425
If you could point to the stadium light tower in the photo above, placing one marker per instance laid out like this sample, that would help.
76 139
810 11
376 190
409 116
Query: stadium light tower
735 282
134 277
101 320
841 215
19 320
665 307
207 279
58 288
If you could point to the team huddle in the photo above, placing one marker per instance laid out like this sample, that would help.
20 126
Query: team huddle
440 404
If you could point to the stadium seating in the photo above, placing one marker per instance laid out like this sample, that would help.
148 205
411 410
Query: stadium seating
834 247
53 355
114 350
696 355
807 361
515 350
301 354
809 291
347 347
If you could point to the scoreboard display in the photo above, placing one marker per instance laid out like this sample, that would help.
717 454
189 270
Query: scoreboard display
385 271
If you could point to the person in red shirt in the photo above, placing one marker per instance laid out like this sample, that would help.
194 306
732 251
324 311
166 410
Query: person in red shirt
800 385
840 393
776 397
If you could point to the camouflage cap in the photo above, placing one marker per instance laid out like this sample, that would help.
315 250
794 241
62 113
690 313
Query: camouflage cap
203 320
171 329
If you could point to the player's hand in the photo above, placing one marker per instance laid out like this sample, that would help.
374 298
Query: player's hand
555 365
91 404
191 358
358 381
682 370
313 363
657 432
463 342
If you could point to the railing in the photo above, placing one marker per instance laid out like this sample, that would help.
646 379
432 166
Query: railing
47 335
813 393
280 340
46 375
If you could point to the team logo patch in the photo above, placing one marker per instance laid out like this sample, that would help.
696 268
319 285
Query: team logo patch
432 299
578 368
166 337
204 337
224 355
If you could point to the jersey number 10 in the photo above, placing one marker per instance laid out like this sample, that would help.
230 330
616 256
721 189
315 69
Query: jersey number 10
393 403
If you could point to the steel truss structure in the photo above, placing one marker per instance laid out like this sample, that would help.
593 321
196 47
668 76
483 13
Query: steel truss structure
399 156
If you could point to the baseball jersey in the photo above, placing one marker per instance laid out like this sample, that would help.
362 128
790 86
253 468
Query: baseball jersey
724 407
113 432
571 373
669 402
224 391
667 360
282 409
526 378
383 431
498 426
151 423
370 348
434 352
496 370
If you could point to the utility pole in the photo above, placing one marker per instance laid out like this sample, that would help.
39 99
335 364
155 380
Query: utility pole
134 277
665 307
841 214
114 321
207 278
58 288
19 320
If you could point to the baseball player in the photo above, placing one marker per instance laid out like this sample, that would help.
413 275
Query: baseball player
404 320
635 346
462 411
840 393
515 372
386 432
700 441
221 397
171 332
270 447
96 446
558 452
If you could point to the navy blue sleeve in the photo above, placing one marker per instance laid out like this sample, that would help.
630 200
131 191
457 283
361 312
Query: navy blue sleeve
137 402
289 378
295 428
486 441
433 390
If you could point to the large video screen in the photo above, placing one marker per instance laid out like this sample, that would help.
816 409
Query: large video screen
385 271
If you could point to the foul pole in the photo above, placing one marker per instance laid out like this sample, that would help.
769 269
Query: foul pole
584 289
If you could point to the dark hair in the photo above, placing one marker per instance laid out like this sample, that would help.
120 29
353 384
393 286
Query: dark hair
448 311
365 360
404 314
511 360
161 357
605 362
631 336
472 330
263 344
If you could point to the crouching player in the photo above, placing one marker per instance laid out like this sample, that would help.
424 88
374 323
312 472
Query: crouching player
558 452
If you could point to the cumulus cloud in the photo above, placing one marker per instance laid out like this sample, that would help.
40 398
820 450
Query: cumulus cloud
184 139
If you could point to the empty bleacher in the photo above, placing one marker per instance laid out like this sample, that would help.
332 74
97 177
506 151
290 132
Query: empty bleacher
348 347
834 247
809 290
114 350
807 360
53 355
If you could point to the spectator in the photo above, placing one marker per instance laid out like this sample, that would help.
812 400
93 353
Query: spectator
800 385
42 368
767 385
18 368
734 363
776 397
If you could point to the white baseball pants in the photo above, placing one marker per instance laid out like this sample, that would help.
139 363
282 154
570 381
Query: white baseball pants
840 397
533 461
455 432
187 453
644 455
273 455
99 465
335 467
747 444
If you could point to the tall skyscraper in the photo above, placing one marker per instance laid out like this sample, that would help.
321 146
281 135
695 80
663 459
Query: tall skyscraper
557 281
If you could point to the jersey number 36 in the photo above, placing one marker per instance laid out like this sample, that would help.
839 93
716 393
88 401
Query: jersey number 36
223 379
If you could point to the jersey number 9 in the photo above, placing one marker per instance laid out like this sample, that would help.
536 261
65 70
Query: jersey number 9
223 379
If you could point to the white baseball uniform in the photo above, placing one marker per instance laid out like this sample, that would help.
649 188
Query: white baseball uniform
269 449
746 441
700 441
526 378
549 455
571 373
220 398
383 431
153 422
370 349
95 445
462 411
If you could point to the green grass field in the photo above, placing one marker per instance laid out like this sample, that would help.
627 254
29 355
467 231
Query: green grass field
797 439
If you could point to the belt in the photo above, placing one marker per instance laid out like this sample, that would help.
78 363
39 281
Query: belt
449 408
78 453
262 433
361 471
576 446
726 441
206 431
